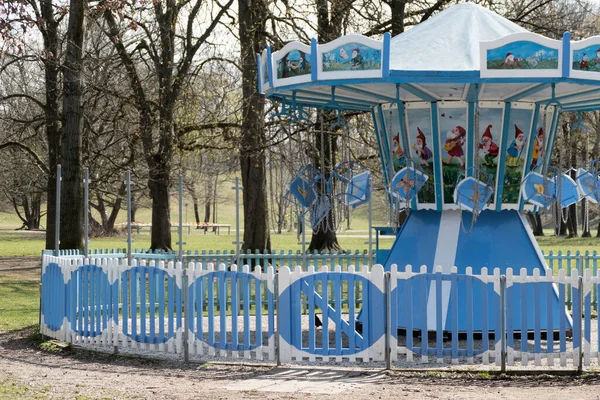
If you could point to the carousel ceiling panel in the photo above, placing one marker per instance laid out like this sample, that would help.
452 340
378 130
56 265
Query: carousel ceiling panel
502 91
444 91
386 91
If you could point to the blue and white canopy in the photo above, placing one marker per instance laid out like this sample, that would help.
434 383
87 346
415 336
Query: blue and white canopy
439 60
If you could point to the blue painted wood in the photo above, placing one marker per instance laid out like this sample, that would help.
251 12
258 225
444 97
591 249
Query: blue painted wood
470 136
337 293
352 309
134 300
562 320
152 303
437 166
566 55
143 308
270 66
502 159
385 64
576 327
587 317
423 300
469 312
439 337
536 115
549 318
86 319
161 307
199 298
314 70
125 282
235 312
407 300
335 314
537 333
454 315
211 310
171 307
258 306
485 345
222 294
325 310
310 281
246 294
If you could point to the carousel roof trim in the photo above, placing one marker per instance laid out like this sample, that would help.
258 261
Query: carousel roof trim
462 46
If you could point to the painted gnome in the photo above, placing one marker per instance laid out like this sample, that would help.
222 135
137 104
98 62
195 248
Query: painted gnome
455 140
516 148
421 148
488 146
538 148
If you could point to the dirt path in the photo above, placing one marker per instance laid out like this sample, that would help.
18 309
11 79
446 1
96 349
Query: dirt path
69 373
28 370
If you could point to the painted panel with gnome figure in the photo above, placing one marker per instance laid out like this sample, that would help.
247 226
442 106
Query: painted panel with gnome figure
453 133
294 63
392 127
420 141
488 144
516 153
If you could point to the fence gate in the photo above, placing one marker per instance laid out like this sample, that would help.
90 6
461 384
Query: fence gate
331 314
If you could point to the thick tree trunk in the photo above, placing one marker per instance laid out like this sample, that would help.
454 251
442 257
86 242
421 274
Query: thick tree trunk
535 222
52 114
161 210
252 19
398 8
71 217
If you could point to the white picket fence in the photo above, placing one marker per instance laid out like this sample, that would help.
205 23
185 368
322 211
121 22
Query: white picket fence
411 315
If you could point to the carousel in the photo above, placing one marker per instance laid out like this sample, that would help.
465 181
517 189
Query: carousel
466 109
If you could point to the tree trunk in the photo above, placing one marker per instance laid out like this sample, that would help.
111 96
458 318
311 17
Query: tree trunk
52 114
161 208
398 7
71 217
252 19
535 222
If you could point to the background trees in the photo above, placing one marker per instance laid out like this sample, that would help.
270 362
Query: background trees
173 83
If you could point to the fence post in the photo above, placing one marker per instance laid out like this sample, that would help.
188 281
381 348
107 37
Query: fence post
580 323
86 211
57 214
388 321
278 322
503 323
184 279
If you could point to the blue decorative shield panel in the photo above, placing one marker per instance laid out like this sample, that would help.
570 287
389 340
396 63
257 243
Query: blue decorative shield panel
303 192
407 182
538 190
569 193
359 190
471 194
589 185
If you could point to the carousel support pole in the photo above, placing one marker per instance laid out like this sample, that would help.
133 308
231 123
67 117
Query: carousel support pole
57 214
86 211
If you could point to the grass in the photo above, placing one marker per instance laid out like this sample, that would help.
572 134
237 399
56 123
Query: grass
9 389
23 308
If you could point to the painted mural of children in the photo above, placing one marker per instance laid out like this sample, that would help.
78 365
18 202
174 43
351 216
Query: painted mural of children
510 61
584 62
421 148
538 148
516 148
455 140
489 148
357 59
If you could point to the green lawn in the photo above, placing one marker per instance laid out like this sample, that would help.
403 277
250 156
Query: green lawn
22 309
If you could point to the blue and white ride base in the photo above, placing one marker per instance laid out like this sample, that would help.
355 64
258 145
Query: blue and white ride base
498 240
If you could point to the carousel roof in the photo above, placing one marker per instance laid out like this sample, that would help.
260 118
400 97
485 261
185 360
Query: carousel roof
449 41
463 53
